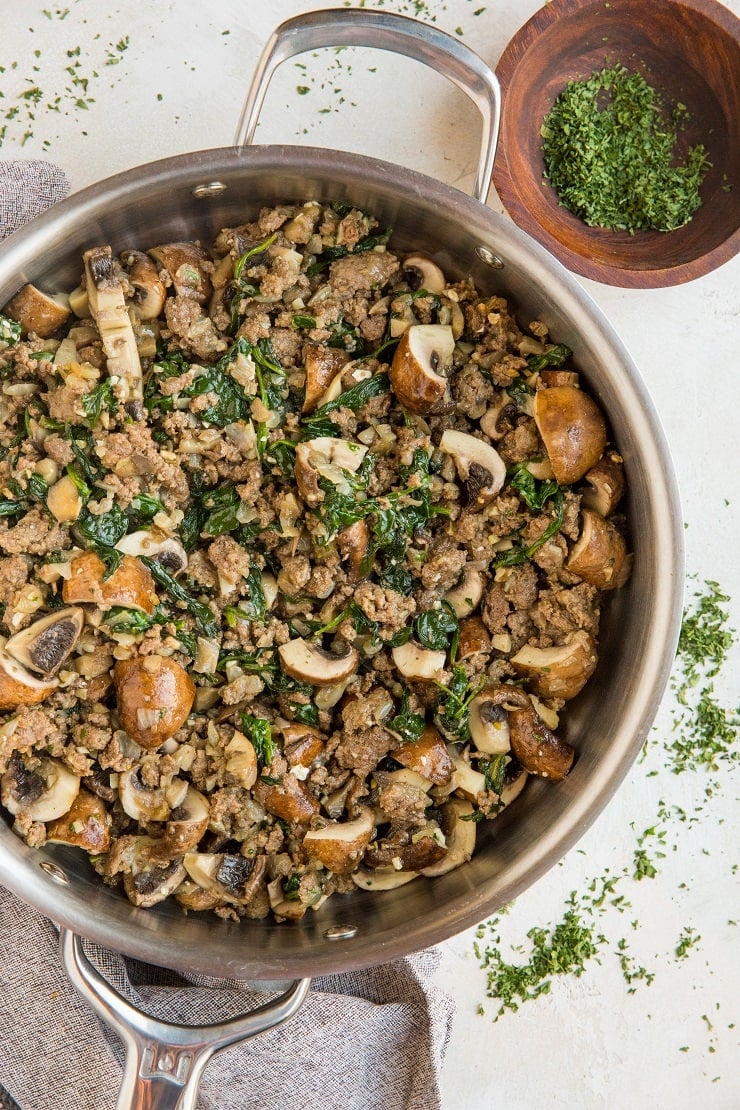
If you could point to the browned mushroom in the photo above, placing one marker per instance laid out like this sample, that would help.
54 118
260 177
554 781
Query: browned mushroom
572 428
308 662
38 312
288 799
473 638
148 292
86 824
418 371
428 756
340 845
185 265
560 671
606 480
322 364
539 750
353 543
599 553
478 464
154 696
425 848
130 585
187 823
19 687
302 744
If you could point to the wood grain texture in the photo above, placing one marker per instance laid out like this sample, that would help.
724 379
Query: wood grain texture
690 51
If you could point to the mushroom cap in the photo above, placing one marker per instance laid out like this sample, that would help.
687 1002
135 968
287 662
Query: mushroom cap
86 824
423 350
43 794
302 743
606 481
560 671
382 878
466 595
322 364
325 457
165 549
151 877
417 662
19 687
37 311
489 724
288 799
478 464
308 662
599 553
232 878
184 264
46 643
187 823
130 585
341 845
148 290
572 428
154 695
459 832
428 756
539 750
473 637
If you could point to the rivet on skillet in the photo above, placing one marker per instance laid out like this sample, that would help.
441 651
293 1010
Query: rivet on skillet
340 932
54 872
212 189
489 258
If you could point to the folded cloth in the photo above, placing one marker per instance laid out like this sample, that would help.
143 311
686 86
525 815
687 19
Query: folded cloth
366 1040
28 187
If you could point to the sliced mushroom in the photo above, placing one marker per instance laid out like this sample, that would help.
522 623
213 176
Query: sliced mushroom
38 312
382 878
109 311
606 480
473 638
86 824
425 848
465 779
154 696
459 832
599 553
308 662
322 365
142 803
428 756
417 373
539 750
168 551
489 724
43 793
19 687
45 644
241 761
340 845
560 671
130 585
420 272
560 377
466 596
235 879
352 543
288 798
572 428
302 744
417 662
151 878
184 263
143 277
64 500
325 457
187 823
479 465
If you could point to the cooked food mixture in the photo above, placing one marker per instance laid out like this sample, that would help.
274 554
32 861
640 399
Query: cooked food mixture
303 549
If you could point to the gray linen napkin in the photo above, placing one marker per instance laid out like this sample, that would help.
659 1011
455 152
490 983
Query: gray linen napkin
27 188
367 1040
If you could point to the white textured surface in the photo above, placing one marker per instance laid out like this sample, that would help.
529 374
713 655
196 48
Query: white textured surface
178 86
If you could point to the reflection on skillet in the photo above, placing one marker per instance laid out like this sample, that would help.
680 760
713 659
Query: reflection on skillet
303 554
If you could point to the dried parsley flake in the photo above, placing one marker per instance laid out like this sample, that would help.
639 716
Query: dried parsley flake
609 145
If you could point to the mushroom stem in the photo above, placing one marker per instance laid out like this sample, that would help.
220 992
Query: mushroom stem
109 311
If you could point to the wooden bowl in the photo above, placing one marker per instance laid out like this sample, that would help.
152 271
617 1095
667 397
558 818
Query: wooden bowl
690 51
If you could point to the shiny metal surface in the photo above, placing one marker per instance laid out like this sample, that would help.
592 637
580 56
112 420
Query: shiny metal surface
607 723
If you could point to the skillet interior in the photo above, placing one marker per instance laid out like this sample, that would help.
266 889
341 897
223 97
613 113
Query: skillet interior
607 723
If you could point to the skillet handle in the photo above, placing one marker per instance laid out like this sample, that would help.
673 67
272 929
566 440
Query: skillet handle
383 31
165 1062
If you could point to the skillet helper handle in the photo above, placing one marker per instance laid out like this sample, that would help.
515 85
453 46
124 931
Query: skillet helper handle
383 31
165 1062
